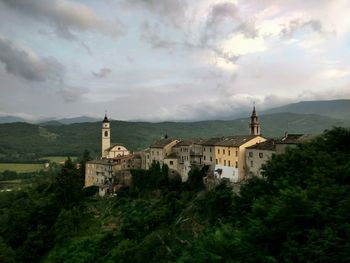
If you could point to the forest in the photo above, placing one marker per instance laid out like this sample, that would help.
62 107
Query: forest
298 212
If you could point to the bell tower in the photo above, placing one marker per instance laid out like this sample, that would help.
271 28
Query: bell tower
106 136
254 123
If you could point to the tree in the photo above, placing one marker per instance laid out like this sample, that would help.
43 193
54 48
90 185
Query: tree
68 184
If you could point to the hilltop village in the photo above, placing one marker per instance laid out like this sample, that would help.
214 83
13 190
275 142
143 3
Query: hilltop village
232 158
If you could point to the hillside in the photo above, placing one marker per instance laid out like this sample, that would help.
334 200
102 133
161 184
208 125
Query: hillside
339 109
28 141
299 212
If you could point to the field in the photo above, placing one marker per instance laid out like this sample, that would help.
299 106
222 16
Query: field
58 159
21 167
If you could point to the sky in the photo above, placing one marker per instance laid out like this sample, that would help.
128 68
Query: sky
159 60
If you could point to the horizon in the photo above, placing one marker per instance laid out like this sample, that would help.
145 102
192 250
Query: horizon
171 59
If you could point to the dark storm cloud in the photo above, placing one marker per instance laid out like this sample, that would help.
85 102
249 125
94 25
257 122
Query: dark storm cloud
26 64
104 72
65 16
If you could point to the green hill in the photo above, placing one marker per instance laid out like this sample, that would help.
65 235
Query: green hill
30 141
339 109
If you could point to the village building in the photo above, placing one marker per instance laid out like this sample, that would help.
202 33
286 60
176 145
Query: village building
209 151
113 168
159 150
230 156
257 155
292 140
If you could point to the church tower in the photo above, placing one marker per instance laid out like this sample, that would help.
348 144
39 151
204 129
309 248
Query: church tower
106 136
254 123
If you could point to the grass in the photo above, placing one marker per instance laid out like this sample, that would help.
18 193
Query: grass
58 159
21 167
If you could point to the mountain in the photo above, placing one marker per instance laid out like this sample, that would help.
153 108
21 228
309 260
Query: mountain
80 119
11 119
29 141
339 109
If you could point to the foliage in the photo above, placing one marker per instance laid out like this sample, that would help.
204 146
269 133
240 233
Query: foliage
298 212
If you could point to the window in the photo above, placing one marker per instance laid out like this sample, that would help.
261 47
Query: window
229 163
250 154
211 158
261 155
157 153
218 151
229 152
223 151
236 164
106 133
209 149
204 157
118 148
216 161
251 164
225 162
204 149
171 162
236 153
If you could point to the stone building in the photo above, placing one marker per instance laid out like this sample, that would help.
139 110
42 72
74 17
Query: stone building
113 168
257 155
159 150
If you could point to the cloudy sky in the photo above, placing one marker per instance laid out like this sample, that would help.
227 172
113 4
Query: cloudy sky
169 59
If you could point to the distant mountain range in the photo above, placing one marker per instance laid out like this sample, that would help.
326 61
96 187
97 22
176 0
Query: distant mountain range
23 141
338 109
49 121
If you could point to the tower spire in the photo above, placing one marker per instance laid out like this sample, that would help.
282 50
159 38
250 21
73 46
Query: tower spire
106 136
254 123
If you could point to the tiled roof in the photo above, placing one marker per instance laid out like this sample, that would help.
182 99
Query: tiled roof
235 141
296 138
269 145
189 142
211 141
114 145
161 143
171 156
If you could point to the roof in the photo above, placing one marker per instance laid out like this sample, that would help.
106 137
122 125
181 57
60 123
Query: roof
269 145
114 145
161 143
171 156
296 138
105 118
189 142
235 141
211 141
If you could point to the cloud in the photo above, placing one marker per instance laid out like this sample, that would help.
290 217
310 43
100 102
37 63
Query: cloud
296 25
71 94
222 11
21 61
171 11
104 72
65 16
